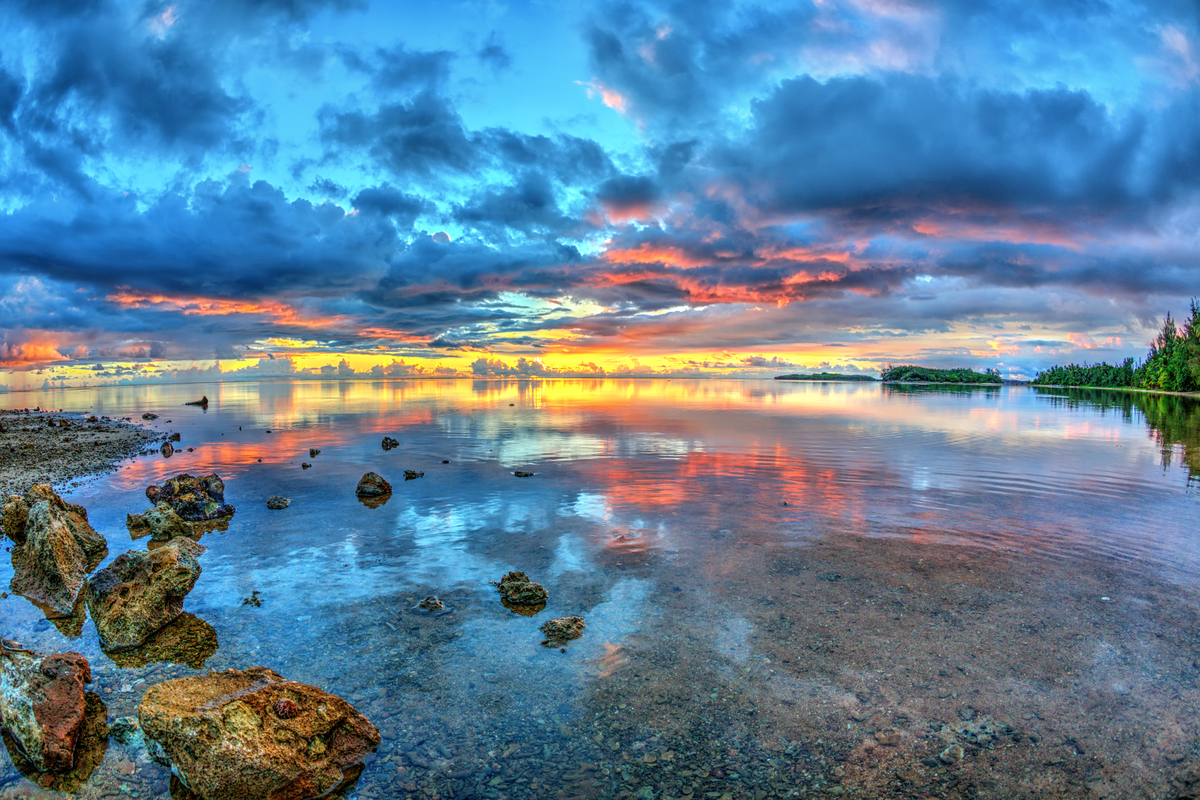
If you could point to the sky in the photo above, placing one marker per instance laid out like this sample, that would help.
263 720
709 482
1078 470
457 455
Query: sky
238 189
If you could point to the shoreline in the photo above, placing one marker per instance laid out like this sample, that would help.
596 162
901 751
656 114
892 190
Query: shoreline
62 447
1193 395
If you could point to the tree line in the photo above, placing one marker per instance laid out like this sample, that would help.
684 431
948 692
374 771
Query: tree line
1172 365
910 373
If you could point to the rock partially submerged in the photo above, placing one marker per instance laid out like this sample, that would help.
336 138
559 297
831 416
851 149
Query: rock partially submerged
521 594
42 703
277 503
559 631
55 548
412 474
167 450
193 499
185 640
160 523
141 592
202 402
313 452
389 443
251 734
372 485
520 473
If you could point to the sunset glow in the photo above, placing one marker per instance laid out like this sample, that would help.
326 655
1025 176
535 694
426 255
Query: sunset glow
329 188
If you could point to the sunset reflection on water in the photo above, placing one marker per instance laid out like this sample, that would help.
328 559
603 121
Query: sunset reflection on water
763 553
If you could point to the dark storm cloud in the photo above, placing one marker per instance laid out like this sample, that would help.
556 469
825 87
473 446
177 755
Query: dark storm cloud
243 240
422 137
529 205
391 202
625 194
570 159
865 142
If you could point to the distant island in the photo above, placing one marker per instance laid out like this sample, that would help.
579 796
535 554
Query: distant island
910 373
824 376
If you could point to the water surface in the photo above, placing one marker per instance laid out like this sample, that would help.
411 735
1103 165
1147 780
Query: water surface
789 588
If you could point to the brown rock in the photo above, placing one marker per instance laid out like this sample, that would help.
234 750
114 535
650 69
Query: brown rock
42 703
372 485
142 591
167 450
90 747
160 523
516 588
246 735
559 631
193 499
56 548
185 640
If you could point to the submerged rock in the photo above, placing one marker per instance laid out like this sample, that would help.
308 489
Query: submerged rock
276 503
42 703
389 443
372 485
520 473
517 589
148 415
141 591
250 734
412 474
187 639
160 523
431 603
194 499
55 548
313 453
559 631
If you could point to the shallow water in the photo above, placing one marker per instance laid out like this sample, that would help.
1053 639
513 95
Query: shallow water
790 589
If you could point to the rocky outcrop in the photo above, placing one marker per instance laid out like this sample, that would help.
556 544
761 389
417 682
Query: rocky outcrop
372 485
42 703
277 503
521 594
202 402
141 591
55 548
193 499
160 523
559 631
251 734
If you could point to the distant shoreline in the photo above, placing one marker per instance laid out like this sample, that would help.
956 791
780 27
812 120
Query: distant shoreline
1193 395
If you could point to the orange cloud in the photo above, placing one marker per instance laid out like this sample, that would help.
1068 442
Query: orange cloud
37 350
210 307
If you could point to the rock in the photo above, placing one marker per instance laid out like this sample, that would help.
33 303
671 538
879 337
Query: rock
431 603
313 453
160 523
305 465
174 437
517 589
559 631
194 499
42 703
202 402
245 735
522 474
372 485
185 640
412 474
277 503
148 415
389 443
167 450
56 548
141 591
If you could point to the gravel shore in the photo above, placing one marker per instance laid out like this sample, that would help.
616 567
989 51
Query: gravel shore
58 448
